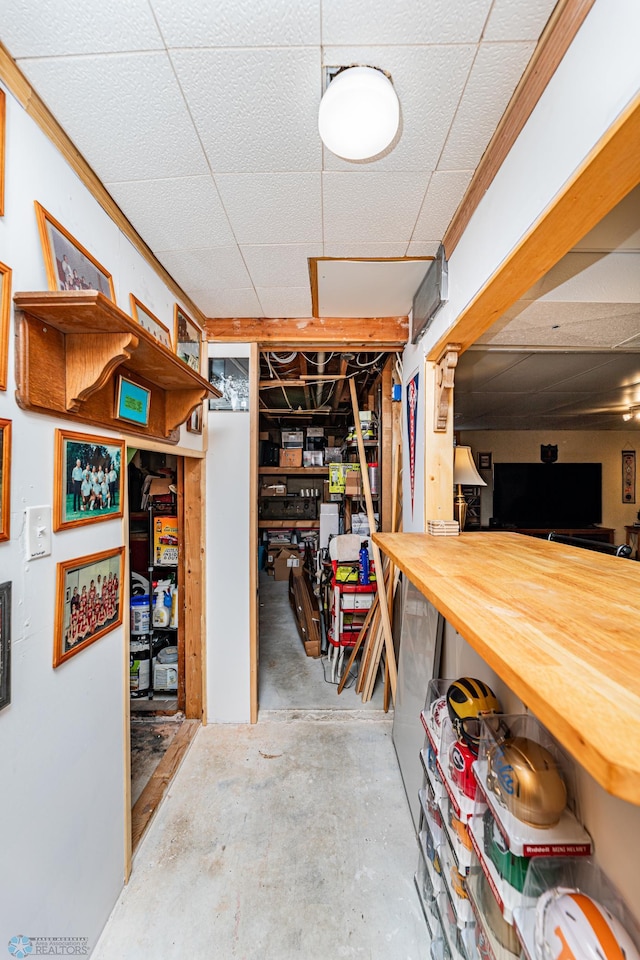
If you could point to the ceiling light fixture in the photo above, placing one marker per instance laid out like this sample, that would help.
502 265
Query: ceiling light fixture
359 113
633 413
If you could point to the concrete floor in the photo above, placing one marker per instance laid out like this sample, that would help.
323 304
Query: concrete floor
288 839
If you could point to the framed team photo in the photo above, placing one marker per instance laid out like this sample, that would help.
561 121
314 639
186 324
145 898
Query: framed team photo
88 601
5 644
5 479
5 314
187 337
88 478
69 265
149 321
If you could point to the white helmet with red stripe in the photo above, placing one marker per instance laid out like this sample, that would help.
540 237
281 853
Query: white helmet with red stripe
572 926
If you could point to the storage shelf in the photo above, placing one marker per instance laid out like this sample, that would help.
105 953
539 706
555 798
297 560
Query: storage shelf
288 524
556 623
294 471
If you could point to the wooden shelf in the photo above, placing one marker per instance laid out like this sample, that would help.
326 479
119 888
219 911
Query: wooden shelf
558 624
288 524
294 471
73 345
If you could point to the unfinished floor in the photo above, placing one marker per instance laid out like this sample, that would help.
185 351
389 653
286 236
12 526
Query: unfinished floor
287 839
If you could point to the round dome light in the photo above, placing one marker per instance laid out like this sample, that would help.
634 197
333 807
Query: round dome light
359 113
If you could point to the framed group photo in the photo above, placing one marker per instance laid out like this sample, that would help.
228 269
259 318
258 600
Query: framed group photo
88 601
5 479
69 265
148 321
5 644
88 476
5 314
231 377
187 337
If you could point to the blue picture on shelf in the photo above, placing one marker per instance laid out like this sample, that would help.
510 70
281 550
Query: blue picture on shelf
132 402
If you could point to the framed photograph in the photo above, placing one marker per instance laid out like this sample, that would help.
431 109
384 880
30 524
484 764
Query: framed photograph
69 265
187 337
5 644
484 461
3 127
194 423
231 376
132 402
87 479
88 601
628 476
5 479
148 321
5 314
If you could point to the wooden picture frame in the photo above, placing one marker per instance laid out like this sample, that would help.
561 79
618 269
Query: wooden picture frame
3 140
194 423
484 461
132 402
187 337
628 476
5 479
81 462
88 601
148 321
5 320
5 644
69 265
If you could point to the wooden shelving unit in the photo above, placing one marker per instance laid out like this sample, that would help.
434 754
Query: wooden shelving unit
294 471
288 524
73 345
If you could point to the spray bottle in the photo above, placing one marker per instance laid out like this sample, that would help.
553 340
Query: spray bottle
364 562
162 603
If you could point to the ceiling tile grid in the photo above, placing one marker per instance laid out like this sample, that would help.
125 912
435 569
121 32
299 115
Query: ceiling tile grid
440 203
280 265
515 21
219 301
409 22
285 301
273 208
362 206
216 266
238 23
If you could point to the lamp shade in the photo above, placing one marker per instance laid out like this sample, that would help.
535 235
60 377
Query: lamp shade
359 113
464 469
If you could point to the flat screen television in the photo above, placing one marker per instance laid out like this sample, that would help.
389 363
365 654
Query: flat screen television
541 495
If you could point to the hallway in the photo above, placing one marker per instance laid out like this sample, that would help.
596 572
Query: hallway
282 840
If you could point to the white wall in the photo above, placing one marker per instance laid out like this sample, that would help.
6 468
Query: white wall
228 557
62 806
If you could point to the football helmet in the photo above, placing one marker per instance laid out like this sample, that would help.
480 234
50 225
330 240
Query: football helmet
511 868
525 778
570 923
467 700
437 713
460 830
460 760
502 931
457 883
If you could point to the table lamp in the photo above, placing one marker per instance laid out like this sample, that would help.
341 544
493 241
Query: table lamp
464 474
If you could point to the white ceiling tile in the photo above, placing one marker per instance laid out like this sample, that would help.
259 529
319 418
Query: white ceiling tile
518 19
412 21
282 265
446 190
227 302
255 110
285 301
359 206
276 208
124 113
192 212
198 269
429 82
421 248
495 75
238 23
380 249
365 288
85 27
544 323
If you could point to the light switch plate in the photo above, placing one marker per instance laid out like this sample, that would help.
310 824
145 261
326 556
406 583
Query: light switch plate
38 525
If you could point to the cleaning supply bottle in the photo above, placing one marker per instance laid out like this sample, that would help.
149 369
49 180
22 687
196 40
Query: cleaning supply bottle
364 563
162 604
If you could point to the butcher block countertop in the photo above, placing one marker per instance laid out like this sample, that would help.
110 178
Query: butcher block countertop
559 624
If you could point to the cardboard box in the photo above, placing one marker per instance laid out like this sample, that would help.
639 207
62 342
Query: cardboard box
352 484
274 490
165 541
291 458
315 431
292 439
285 561
312 458
264 435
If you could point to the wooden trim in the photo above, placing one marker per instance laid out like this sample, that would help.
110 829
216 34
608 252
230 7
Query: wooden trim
193 611
254 376
5 492
12 76
3 136
370 333
559 33
183 580
313 283
148 802
386 441
611 170
5 316
126 680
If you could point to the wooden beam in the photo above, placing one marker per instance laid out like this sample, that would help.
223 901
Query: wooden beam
386 444
608 174
192 612
556 38
339 390
254 375
370 333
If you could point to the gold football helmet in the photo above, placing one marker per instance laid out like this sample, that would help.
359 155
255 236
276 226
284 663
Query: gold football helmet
525 778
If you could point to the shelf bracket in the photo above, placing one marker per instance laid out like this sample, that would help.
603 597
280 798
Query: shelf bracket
183 403
444 385
91 358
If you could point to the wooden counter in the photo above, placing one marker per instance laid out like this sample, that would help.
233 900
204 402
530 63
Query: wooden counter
558 624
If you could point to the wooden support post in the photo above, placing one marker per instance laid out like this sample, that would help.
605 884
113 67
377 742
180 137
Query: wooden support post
438 455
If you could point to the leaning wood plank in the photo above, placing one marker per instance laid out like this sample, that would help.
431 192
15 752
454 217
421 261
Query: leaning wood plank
366 653
149 800
377 556
357 645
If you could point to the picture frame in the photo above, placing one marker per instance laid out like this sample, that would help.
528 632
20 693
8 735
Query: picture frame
94 608
5 480
187 337
5 318
628 476
484 461
68 264
87 479
5 644
194 423
132 402
3 136
230 375
148 321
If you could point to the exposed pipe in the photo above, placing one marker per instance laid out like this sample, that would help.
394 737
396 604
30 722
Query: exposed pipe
319 388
